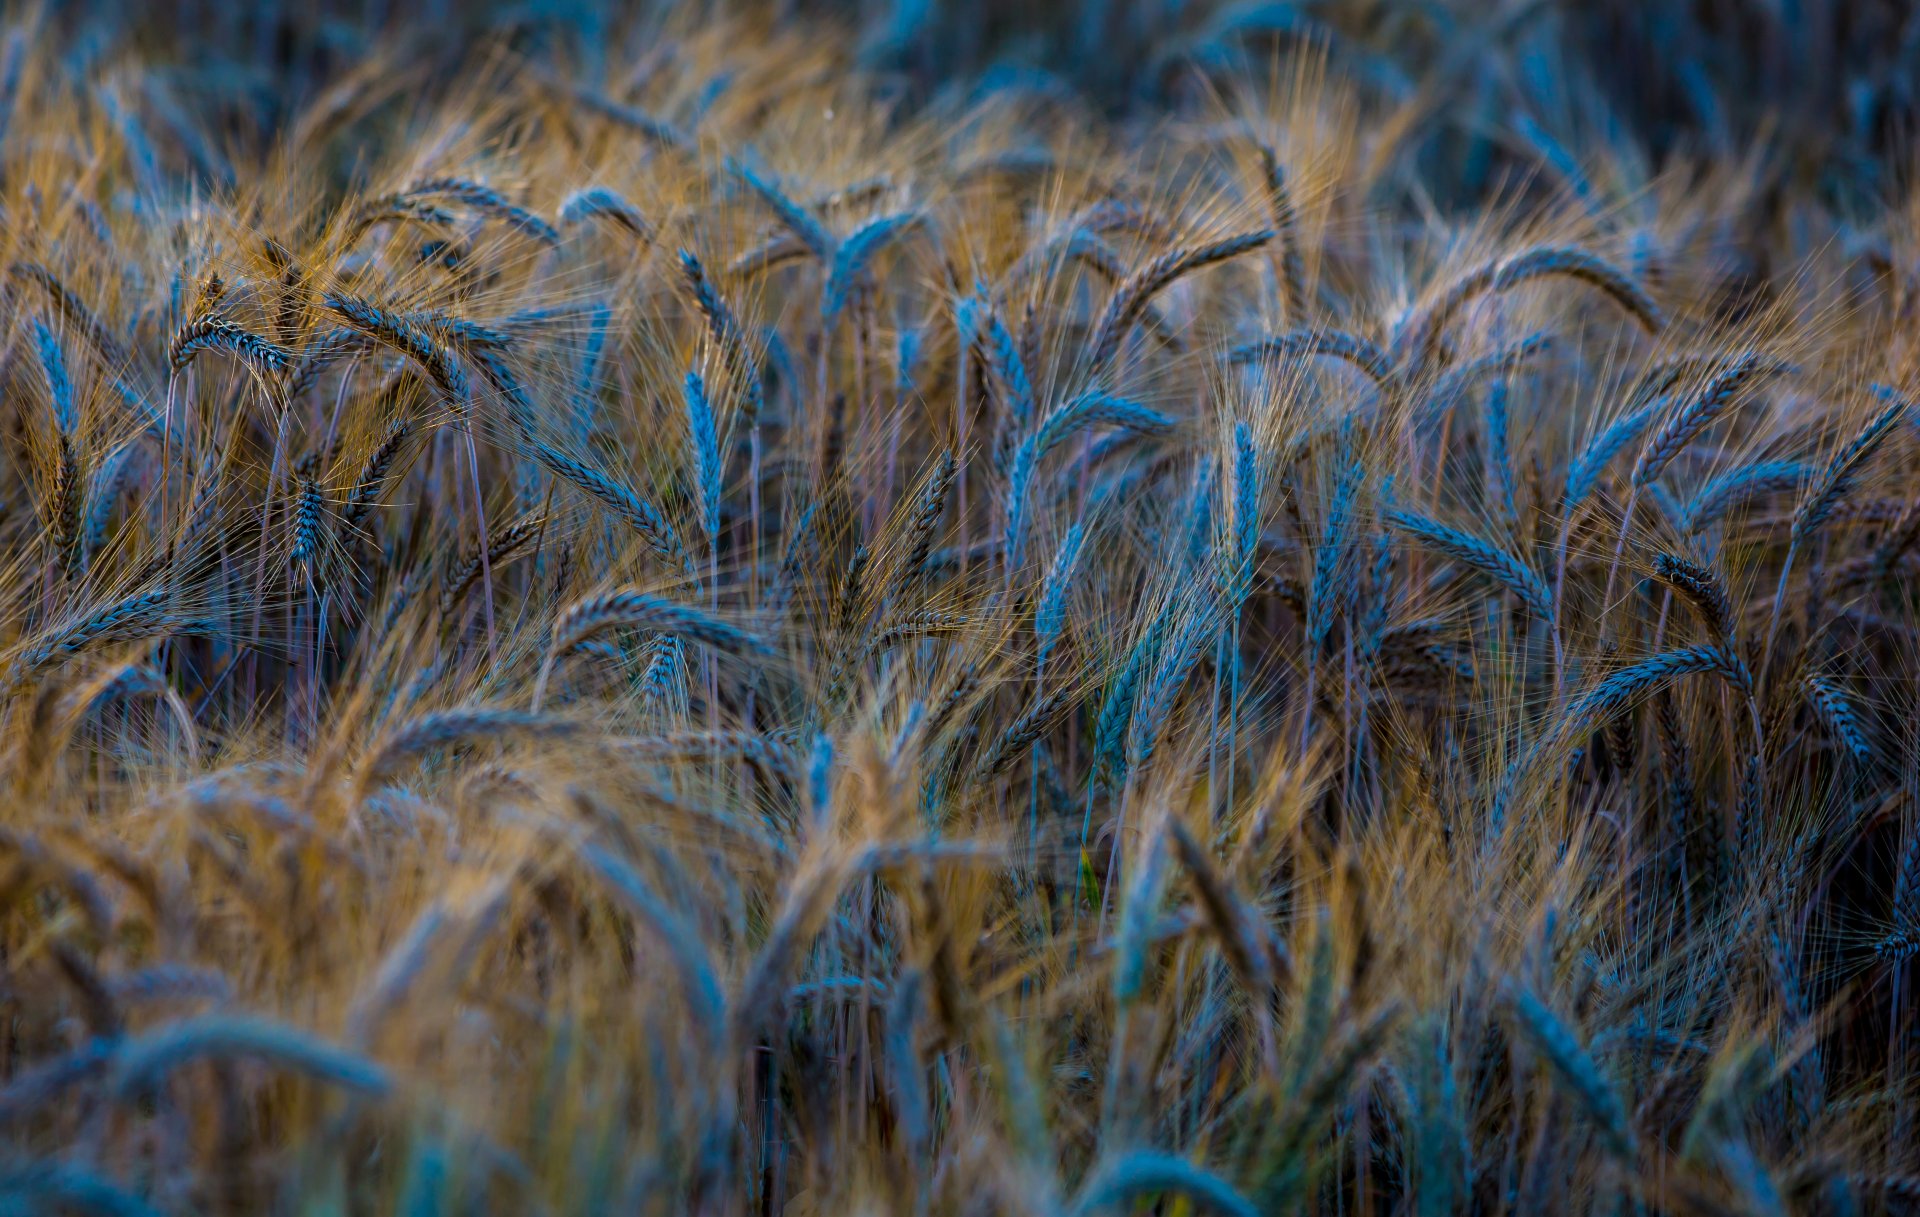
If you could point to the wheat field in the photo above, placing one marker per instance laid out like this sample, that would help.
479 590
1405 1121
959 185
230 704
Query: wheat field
909 609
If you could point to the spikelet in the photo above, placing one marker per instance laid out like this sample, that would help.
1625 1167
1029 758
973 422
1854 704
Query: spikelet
307 509
910 626
1333 586
703 439
374 471
1020 735
1233 923
392 209
1837 712
1240 540
1584 473
909 1073
768 753
1637 680
141 615
1500 455
928 508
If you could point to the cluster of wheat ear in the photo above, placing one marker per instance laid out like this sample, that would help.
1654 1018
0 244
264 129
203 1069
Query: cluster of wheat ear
705 638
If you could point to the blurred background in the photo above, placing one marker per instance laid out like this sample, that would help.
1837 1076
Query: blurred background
1829 86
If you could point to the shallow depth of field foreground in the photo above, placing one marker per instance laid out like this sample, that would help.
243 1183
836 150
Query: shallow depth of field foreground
921 609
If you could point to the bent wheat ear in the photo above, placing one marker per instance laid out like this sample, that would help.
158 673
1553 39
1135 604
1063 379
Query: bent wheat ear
1286 230
1584 474
1587 267
503 544
78 317
698 982
797 219
629 507
142 615
1836 480
1037 720
1701 588
407 338
600 203
1489 559
1647 676
634 609
655 130
1837 712
1095 409
727 333
1457 380
1729 490
445 728
215 333
979 321
1554 1041
487 201
145 1061
1424 329
853 258
1133 294
1700 413
1330 344
1119 1181
774 252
